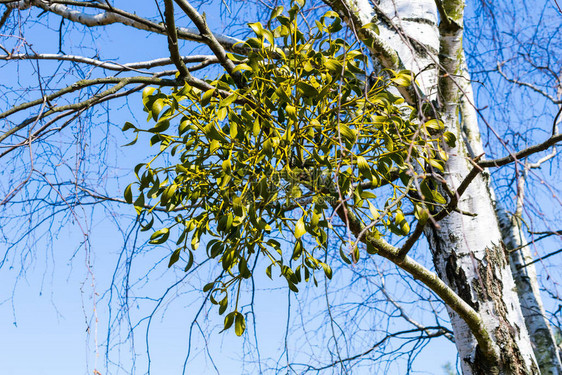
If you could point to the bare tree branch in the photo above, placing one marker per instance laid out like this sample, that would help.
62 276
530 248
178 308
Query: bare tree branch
210 39
521 154
85 83
43 130
549 233
111 15
109 65
428 278
173 39
439 331
119 84
103 198
540 258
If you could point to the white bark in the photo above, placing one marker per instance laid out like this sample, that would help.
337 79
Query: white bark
467 250
21 4
468 255
411 28
525 276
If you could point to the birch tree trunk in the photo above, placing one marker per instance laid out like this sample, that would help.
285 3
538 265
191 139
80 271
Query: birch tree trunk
467 250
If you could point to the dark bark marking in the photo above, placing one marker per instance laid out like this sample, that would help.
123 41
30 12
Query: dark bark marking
512 361
457 278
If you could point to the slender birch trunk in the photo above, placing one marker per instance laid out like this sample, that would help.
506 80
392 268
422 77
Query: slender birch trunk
525 276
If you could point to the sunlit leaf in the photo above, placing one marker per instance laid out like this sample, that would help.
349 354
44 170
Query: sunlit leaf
174 258
300 228
240 325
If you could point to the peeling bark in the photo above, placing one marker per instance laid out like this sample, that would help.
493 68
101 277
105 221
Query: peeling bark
469 256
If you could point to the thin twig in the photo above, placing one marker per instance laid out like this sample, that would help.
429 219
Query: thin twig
428 278
111 15
540 259
528 85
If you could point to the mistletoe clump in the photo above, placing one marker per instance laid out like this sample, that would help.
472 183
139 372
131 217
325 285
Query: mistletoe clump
276 157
